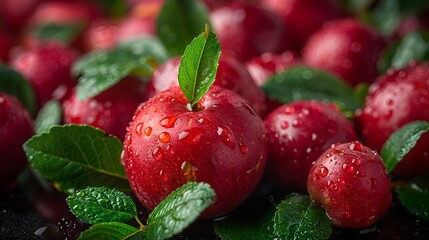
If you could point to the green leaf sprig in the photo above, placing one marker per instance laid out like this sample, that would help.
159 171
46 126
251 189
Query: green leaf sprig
108 209
198 67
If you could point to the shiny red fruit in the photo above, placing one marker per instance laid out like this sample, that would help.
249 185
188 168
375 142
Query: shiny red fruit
298 133
398 98
47 68
351 183
16 127
303 17
223 144
346 48
133 27
231 74
111 110
100 35
6 45
247 30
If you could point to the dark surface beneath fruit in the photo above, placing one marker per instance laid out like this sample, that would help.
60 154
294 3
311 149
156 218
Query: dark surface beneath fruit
20 218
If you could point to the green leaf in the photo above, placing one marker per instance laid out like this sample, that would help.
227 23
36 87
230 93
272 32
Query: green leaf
298 217
252 221
387 16
361 91
179 22
401 142
109 231
77 156
198 67
415 196
65 33
413 46
48 116
101 70
302 82
179 209
11 82
100 204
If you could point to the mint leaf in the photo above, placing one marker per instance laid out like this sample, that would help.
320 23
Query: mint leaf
64 33
252 221
100 70
413 46
198 67
49 115
415 196
100 204
109 231
77 156
179 209
301 82
179 22
298 217
401 142
11 82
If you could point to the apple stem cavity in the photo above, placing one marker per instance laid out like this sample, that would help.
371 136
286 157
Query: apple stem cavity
198 67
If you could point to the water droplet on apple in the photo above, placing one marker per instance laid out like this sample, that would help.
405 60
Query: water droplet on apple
139 129
164 137
243 148
168 122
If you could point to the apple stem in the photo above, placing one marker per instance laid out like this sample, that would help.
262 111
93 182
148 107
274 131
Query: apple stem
141 225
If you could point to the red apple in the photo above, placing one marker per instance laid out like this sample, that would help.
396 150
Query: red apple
223 144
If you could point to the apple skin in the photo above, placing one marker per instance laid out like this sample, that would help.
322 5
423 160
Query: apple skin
346 48
223 144
246 30
395 99
231 74
47 68
16 127
111 110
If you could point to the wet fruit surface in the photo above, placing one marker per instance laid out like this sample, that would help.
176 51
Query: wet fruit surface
298 133
397 98
351 183
223 144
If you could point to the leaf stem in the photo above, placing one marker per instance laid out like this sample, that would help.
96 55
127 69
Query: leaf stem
141 225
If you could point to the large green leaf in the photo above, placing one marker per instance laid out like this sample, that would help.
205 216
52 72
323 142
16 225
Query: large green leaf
198 67
100 204
401 142
109 231
179 22
298 217
301 82
179 209
415 196
77 156
11 82
100 70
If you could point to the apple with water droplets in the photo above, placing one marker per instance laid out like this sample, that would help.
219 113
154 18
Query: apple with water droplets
223 144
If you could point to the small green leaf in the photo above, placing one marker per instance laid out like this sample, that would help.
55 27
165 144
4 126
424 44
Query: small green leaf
13 83
198 67
65 33
361 91
252 221
101 70
415 196
401 142
109 231
100 204
179 209
301 82
179 22
386 16
298 217
49 115
77 156
413 46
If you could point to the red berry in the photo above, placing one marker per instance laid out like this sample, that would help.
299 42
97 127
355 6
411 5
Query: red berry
133 27
398 98
100 35
346 48
246 30
222 144
6 45
15 13
303 17
231 75
111 110
298 133
351 183
16 127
